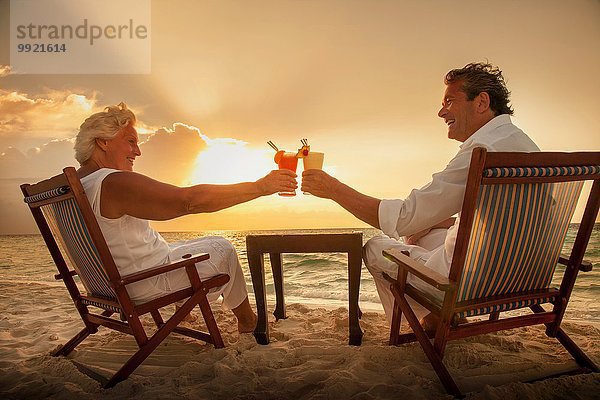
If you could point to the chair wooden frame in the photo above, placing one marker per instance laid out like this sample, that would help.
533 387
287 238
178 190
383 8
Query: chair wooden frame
448 328
122 304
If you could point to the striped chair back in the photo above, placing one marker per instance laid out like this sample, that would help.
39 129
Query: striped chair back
518 232
65 219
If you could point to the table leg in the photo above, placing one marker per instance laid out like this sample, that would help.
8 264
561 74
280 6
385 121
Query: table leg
276 267
354 268
257 271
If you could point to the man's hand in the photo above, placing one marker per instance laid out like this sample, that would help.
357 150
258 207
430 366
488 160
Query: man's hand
279 180
415 237
319 183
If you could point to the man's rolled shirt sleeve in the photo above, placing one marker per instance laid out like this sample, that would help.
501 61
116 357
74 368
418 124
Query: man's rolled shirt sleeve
435 202
388 212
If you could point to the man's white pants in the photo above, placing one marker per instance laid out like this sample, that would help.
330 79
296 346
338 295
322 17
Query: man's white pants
430 247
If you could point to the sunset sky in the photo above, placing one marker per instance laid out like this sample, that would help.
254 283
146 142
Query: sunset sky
362 80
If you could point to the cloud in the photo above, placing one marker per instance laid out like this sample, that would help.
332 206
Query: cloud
56 113
169 155
33 120
38 162
30 120
16 168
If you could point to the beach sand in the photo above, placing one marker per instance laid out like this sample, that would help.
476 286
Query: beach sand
308 358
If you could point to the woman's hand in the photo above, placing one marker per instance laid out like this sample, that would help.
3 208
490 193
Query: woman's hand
279 180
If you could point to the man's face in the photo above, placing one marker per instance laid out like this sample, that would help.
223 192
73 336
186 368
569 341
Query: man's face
123 149
459 113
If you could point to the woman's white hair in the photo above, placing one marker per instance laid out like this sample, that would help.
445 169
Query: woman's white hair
103 125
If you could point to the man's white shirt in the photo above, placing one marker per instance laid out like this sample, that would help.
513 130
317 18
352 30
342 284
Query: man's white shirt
442 198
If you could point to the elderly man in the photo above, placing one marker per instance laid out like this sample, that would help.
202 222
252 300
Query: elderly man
476 109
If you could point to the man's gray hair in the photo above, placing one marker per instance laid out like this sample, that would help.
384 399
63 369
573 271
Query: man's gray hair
102 125
483 77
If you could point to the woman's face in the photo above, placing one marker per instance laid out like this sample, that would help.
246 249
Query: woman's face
122 150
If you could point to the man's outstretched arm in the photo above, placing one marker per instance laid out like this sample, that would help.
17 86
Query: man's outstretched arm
363 207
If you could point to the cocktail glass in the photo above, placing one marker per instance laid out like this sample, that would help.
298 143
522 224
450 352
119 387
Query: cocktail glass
314 160
288 161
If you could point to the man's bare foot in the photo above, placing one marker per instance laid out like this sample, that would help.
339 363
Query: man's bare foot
430 322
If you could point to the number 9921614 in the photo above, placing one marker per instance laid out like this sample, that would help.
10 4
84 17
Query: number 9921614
41 48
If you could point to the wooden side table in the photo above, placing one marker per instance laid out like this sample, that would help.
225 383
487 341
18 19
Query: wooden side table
275 245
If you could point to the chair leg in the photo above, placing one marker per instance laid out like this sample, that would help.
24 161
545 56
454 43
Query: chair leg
199 298
157 318
441 336
434 358
211 324
74 342
397 288
152 343
395 326
575 351
568 343
138 358
89 329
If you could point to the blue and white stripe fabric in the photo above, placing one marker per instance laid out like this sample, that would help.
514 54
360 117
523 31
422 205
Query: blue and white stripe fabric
66 222
517 234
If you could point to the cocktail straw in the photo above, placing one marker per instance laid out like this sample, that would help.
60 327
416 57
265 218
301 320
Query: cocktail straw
272 145
304 142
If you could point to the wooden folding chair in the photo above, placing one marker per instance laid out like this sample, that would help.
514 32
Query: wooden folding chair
64 215
514 219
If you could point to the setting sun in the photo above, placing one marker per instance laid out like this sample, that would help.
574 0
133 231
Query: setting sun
230 161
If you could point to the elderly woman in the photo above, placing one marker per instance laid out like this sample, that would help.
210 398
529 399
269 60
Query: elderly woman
124 202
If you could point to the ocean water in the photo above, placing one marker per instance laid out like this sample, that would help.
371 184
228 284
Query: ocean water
312 279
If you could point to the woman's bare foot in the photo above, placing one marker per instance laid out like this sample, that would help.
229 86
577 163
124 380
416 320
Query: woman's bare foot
246 317
247 326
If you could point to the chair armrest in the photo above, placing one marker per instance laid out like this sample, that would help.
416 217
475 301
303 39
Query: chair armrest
436 280
586 266
161 269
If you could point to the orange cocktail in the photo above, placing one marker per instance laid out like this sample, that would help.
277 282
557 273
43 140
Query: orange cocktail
287 161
